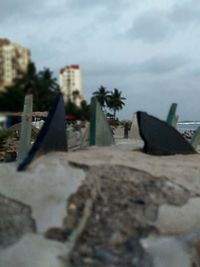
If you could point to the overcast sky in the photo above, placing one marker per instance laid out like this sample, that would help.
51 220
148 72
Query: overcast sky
148 49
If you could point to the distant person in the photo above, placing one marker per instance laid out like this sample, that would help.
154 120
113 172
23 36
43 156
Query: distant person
113 130
126 129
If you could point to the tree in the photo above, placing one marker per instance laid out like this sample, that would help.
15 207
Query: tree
79 113
41 84
45 88
30 76
72 109
102 96
85 110
12 100
76 97
115 101
46 75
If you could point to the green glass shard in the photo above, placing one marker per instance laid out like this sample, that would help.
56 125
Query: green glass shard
196 138
175 120
93 121
100 131
26 126
171 115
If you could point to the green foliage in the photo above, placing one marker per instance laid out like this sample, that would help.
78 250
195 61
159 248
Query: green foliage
75 95
12 99
4 134
110 99
85 110
115 101
102 96
71 109
41 84
79 113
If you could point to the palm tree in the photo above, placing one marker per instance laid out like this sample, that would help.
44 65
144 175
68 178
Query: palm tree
46 75
115 101
27 78
46 89
102 96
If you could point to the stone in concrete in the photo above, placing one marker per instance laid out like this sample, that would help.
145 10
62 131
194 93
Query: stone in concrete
160 138
52 136
15 221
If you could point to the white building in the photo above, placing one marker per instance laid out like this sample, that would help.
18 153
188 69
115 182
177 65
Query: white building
14 61
71 84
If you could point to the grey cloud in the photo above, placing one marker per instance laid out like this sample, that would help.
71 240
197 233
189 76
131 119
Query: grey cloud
10 8
151 26
90 33
195 72
105 10
107 69
85 4
162 65
185 12
153 94
152 66
155 25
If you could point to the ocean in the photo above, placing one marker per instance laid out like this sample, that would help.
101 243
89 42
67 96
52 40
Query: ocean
187 126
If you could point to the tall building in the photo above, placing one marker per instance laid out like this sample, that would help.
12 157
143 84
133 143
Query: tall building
14 61
71 84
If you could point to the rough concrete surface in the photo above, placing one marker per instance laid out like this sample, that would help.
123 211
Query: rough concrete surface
113 206
33 251
177 220
180 169
45 187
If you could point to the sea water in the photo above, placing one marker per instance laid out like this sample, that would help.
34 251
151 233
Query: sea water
183 127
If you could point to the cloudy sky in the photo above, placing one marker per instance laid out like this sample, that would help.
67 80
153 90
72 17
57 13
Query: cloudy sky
148 49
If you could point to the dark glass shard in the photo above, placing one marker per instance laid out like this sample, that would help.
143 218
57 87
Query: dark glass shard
160 138
52 136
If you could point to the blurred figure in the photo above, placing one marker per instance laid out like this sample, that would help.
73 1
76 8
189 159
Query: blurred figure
126 129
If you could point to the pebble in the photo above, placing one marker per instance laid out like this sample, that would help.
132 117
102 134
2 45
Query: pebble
116 239
72 207
89 261
105 256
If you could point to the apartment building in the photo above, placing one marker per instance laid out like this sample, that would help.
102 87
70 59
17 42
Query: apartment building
71 84
14 60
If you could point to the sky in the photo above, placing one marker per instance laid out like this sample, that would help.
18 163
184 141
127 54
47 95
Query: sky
148 49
